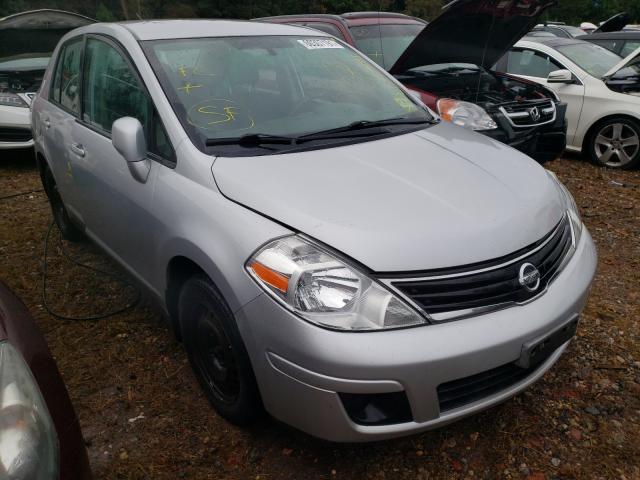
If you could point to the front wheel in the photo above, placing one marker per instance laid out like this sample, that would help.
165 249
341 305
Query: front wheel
616 144
217 353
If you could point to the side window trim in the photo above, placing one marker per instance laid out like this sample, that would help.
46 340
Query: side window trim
113 43
83 40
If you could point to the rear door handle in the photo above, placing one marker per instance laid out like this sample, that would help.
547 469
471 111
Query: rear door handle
78 149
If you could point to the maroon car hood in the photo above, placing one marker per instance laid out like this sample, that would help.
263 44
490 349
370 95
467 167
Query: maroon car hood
479 32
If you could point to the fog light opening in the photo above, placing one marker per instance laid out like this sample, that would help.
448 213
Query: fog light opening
377 409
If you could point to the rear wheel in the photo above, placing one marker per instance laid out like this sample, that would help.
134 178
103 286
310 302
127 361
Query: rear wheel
60 215
217 353
615 143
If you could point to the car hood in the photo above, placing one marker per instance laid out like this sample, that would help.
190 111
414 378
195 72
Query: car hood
465 27
440 197
36 30
614 24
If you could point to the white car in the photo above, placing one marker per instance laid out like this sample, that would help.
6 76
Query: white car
601 89
26 42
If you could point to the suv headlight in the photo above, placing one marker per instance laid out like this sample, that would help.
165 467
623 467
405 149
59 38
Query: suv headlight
572 208
325 290
465 114
12 100
28 440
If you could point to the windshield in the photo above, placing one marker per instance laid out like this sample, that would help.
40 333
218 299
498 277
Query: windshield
593 59
231 87
384 43
24 63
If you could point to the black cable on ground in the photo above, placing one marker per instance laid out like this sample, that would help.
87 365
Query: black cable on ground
99 316
13 195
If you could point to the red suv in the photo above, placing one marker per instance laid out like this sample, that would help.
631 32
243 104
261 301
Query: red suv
448 63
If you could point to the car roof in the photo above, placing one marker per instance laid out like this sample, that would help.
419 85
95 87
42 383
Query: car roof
348 18
174 29
628 34
553 42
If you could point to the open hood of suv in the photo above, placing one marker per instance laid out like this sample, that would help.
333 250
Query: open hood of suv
629 61
472 31
614 24
36 30
441 197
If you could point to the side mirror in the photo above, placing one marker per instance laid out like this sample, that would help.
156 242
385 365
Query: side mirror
127 137
560 76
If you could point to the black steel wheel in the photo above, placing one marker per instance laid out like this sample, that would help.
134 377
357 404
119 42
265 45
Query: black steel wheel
217 353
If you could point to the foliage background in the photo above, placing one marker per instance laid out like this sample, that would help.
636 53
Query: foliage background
570 11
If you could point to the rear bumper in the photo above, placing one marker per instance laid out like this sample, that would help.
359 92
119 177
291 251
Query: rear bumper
302 369
542 143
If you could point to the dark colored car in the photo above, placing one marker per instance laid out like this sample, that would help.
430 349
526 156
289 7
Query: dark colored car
382 36
40 437
446 64
623 42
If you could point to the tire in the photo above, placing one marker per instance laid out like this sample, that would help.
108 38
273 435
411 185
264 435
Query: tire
217 353
60 215
615 143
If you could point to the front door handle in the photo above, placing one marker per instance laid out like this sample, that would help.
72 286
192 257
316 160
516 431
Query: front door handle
78 149
47 123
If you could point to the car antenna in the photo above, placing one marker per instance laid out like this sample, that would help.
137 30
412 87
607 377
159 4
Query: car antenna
484 53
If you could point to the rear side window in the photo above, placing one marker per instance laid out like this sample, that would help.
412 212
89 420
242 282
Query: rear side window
66 84
531 63
112 90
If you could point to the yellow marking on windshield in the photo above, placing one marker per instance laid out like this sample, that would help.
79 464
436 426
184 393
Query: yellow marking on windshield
187 88
405 103
215 112
183 71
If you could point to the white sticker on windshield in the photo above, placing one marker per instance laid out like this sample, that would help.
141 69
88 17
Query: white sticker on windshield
316 43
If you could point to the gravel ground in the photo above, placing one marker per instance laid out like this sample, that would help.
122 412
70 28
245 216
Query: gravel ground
143 415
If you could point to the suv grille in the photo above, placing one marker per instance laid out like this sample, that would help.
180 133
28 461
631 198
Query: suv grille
489 285
528 114
9 134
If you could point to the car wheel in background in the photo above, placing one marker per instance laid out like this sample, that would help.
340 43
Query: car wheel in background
615 143
216 352
68 230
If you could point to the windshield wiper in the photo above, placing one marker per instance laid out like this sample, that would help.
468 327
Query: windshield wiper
252 140
366 125
361 128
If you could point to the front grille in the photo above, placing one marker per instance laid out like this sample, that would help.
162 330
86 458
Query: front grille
488 284
528 114
12 134
466 390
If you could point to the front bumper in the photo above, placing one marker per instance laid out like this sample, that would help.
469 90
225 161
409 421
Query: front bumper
15 128
542 143
301 369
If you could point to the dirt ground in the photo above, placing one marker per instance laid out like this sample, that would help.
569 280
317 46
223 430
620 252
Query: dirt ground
144 417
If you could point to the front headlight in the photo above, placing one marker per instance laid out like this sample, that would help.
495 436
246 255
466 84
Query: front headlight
572 208
326 291
465 114
12 100
28 440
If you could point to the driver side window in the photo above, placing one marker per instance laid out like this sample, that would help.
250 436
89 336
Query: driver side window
531 63
113 90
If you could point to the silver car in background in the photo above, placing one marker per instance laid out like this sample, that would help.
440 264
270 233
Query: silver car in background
332 254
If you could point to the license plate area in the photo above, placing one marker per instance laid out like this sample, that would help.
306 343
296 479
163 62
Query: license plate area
539 349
